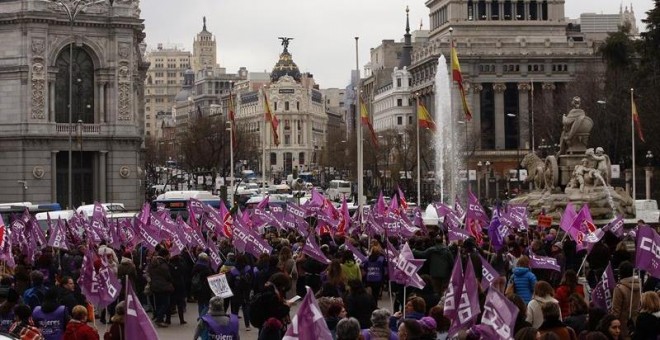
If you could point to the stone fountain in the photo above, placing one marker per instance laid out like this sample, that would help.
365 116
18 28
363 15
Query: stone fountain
576 174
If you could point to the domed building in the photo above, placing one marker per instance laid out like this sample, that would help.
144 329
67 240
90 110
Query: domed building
295 100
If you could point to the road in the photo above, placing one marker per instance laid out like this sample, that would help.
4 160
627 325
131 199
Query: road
186 332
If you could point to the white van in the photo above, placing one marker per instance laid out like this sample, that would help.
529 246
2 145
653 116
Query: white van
338 189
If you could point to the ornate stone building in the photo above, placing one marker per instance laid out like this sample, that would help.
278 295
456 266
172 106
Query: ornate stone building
107 108
298 105
507 50
204 50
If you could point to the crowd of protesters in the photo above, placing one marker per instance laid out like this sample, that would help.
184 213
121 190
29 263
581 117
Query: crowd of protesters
43 300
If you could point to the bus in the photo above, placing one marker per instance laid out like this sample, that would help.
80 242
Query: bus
177 201
337 189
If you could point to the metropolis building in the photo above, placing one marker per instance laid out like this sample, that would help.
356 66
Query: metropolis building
105 129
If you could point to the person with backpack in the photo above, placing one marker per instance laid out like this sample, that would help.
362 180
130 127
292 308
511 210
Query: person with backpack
199 286
51 317
34 295
240 279
375 271
24 327
216 324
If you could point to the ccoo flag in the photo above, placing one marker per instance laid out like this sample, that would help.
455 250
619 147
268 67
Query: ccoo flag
308 323
602 294
648 251
137 324
458 78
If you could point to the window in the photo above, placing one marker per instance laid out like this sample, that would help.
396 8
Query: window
301 158
398 82
275 106
399 120
410 120
399 102
287 139
298 106
286 106
273 158
82 89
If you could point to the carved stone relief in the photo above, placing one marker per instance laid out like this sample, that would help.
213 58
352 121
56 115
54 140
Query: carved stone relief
124 50
38 90
124 81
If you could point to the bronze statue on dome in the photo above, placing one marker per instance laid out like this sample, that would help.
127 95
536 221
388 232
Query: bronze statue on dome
285 43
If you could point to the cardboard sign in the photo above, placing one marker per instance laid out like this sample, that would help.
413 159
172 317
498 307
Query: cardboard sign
544 221
220 286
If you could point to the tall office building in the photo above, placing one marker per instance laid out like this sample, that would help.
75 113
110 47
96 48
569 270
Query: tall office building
164 80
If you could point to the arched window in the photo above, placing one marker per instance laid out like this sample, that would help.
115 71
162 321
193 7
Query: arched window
83 86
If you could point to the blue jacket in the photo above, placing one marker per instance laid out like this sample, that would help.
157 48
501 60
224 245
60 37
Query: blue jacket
394 322
524 281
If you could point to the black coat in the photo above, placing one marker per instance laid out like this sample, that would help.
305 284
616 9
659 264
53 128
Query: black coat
159 273
204 269
360 306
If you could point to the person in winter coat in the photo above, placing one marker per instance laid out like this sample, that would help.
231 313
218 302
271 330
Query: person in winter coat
611 327
116 331
125 269
240 279
69 295
199 286
579 314
552 323
51 317
349 268
359 303
275 305
523 279
440 261
178 298
374 269
24 327
569 285
34 295
543 294
161 284
77 328
216 324
626 290
379 329
7 314
648 320
415 309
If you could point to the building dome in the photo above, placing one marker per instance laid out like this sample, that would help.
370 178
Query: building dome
285 67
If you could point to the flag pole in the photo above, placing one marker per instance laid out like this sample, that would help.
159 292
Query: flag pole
263 145
632 129
419 165
358 126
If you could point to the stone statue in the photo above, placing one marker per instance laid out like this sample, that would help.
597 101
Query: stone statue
576 129
535 169
602 163
580 174
285 43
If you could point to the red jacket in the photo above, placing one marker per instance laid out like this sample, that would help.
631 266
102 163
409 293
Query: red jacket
76 330
562 293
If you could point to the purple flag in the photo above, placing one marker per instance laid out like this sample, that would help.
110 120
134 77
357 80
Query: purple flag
518 212
454 290
100 288
457 234
543 262
405 268
311 249
581 226
488 274
498 232
648 251
458 208
475 210
137 324
196 208
452 221
246 240
442 209
568 217
216 261
499 316
97 222
602 294
468 302
357 255
308 323
57 237
295 210
615 227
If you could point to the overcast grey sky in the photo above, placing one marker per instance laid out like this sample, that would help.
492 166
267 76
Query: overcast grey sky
246 30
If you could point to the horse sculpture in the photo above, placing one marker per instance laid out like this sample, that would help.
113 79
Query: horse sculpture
535 169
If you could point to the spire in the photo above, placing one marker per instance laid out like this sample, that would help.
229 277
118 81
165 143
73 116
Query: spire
407 44
204 27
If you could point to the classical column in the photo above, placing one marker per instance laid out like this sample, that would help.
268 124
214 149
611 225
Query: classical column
501 11
101 101
526 15
499 88
548 96
51 102
53 176
488 9
103 173
476 112
523 114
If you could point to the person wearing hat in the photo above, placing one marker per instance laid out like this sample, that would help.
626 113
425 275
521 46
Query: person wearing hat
216 324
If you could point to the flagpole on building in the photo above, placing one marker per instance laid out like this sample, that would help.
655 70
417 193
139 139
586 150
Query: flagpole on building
419 178
632 130
358 126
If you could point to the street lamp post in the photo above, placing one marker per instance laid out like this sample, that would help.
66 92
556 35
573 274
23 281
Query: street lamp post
517 117
649 173
72 8
231 156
